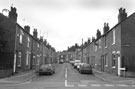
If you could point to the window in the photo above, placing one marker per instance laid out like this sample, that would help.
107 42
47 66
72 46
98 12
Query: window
105 42
33 45
28 58
106 60
28 43
113 37
19 59
38 45
95 47
113 59
34 60
20 40
99 44
21 37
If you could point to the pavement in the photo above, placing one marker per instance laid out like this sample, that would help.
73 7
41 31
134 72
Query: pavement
110 78
20 77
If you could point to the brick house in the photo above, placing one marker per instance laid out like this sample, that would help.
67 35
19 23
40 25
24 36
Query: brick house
19 50
7 43
114 51
23 48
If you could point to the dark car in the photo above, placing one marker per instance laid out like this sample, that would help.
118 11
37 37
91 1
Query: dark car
61 62
46 69
85 68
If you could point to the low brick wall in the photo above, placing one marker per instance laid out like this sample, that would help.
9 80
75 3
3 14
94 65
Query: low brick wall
5 73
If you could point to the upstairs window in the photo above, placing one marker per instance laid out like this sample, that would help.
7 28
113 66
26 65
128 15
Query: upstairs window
99 44
105 41
95 47
21 37
28 43
113 37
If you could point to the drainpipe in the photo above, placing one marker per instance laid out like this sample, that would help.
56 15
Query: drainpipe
14 65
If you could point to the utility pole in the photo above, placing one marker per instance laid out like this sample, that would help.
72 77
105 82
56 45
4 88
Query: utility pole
82 51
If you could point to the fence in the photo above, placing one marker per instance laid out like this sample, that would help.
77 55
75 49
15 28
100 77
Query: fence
128 63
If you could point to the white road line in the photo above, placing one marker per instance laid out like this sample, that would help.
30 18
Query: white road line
66 73
95 85
70 85
122 85
82 85
108 85
65 83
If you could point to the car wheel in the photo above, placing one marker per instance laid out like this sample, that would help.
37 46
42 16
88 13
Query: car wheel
40 73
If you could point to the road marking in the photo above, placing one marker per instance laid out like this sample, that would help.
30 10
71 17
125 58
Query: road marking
108 85
82 85
95 85
66 85
66 73
122 85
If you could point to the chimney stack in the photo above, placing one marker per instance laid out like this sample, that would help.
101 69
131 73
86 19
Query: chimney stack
106 28
98 34
45 41
122 14
88 40
13 15
41 38
35 33
27 28
93 39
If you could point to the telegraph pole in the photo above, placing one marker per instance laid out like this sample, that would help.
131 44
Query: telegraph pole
82 51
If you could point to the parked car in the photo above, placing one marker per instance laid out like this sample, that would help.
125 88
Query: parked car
61 61
46 69
76 63
71 62
85 68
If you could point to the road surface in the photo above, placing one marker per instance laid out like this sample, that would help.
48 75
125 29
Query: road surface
66 77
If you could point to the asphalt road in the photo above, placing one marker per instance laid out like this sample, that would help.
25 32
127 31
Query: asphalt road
66 77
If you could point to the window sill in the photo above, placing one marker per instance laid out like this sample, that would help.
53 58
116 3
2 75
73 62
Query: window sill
113 43
114 67
106 65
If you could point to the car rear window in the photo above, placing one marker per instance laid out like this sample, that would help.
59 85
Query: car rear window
45 66
86 65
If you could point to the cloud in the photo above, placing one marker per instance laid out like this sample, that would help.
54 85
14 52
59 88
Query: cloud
100 4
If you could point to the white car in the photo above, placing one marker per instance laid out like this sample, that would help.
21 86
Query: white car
76 63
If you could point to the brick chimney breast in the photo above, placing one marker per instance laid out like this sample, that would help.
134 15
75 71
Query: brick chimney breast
27 29
106 28
98 33
122 14
35 33
13 14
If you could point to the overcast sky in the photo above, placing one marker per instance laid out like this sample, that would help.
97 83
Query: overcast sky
65 22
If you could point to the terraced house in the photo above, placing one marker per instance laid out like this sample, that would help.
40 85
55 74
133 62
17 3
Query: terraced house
114 51
19 50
